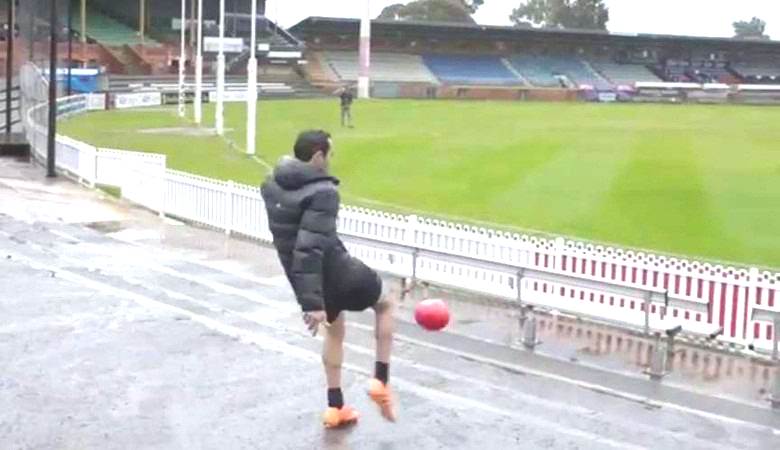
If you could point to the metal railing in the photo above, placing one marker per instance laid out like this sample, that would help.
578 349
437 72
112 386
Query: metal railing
15 109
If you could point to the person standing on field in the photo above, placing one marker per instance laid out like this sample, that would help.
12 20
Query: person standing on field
347 99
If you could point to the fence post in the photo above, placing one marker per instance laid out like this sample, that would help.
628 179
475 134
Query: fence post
530 341
774 397
410 236
647 301
163 177
95 172
752 296
658 359
560 244
776 339
519 287
229 189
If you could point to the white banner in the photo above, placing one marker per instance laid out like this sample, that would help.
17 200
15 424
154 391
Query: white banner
137 99
285 55
607 97
232 45
230 96
96 102
176 23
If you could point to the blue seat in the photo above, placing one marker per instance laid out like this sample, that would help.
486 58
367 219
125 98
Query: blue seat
471 70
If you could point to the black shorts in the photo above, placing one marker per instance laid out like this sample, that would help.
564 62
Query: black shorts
358 288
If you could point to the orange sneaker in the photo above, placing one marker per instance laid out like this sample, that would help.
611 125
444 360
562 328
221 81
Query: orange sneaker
339 417
381 394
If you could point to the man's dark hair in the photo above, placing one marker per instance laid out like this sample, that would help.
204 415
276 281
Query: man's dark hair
310 142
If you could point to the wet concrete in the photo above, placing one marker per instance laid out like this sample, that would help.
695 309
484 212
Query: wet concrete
124 331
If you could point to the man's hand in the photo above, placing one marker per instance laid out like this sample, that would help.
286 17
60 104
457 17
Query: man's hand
313 319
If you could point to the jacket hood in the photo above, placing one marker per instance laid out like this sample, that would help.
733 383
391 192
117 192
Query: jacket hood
292 174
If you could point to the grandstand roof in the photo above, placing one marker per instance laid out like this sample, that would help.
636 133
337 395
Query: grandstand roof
313 26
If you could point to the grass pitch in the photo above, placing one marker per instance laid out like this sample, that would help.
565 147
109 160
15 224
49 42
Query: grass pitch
702 181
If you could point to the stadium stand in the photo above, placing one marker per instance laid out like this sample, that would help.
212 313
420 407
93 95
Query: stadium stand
544 70
393 67
471 70
676 71
110 32
759 72
711 72
318 70
536 74
698 71
468 59
624 74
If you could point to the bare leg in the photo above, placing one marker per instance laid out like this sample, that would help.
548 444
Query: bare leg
378 389
333 352
383 329
337 415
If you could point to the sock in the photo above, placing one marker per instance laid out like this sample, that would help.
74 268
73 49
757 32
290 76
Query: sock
335 398
381 371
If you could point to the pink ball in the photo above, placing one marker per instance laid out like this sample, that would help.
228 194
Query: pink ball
433 314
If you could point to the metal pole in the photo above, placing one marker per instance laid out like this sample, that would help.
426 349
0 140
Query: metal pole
182 57
70 46
251 96
9 66
192 24
220 119
51 154
142 19
199 68
84 33
83 21
32 37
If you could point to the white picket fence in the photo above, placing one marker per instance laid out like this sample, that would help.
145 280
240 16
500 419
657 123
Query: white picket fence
704 296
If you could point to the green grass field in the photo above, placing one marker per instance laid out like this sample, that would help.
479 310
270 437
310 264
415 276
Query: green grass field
702 181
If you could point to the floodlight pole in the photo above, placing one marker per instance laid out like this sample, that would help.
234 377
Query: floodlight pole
251 83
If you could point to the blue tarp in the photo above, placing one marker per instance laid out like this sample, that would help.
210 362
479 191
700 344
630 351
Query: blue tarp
83 81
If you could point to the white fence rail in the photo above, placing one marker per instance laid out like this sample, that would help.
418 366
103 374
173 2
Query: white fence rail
574 277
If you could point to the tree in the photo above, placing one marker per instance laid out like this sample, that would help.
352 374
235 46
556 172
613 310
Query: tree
472 5
433 11
578 14
392 12
750 30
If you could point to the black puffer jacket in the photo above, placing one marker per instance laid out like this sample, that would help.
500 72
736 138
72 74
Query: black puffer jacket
302 204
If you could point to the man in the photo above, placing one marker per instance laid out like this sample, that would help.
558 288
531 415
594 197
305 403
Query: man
346 107
302 202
